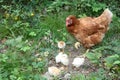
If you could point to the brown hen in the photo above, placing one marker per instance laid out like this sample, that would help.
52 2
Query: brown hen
89 31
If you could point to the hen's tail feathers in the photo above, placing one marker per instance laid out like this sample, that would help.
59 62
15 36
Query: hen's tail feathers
108 14
105 17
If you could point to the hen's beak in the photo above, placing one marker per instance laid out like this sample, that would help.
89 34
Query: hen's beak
68 22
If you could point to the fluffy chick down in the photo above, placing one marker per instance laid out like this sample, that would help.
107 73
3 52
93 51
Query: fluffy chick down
77 62
62 58
54 71
58 57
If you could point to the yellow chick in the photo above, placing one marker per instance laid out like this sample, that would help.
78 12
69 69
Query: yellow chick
61 45
54 71
77 45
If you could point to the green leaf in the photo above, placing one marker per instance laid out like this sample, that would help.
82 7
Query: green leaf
111 60
25 48
98 6
35 65
95 61
29 68
37 77
3 57
15 42
93 56
15 71
90 55
116 62
82 15
32 34
13 77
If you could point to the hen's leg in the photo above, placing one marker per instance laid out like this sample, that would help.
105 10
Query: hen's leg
93 40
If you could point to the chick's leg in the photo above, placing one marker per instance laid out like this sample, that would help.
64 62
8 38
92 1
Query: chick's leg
61 50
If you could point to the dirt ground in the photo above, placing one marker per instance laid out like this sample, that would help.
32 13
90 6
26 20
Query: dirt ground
86 68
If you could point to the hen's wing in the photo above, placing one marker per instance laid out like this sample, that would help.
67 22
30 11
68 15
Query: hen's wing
93 39
89 26
86 27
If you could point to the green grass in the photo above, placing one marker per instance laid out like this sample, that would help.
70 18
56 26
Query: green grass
24 64
31 35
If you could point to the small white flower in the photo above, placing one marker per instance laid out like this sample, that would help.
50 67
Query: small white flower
46 53
39 59
77 62
45 38
61 44
54 71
